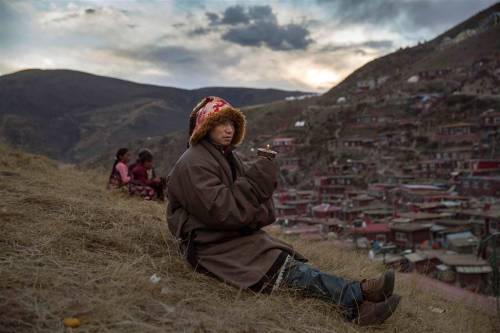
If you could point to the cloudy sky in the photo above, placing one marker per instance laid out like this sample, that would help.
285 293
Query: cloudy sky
294 44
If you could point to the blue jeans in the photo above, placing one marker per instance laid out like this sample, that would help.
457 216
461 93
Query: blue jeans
312 282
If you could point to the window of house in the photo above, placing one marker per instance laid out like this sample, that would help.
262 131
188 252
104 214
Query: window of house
401 236
494 225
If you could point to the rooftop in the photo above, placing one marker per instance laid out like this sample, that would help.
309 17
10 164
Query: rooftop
424 216
474 269
464 242
415 257
410 227
328 222
493 213
458 125
462 260
453 223
325 208
372 228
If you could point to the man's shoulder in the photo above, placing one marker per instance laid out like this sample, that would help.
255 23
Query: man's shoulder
194 155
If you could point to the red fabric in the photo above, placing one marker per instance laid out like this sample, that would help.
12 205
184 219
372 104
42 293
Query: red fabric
140 175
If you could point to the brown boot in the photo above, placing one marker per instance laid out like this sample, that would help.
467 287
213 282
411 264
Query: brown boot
377 290
376 313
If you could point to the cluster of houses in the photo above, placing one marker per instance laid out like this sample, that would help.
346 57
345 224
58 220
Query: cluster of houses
431 229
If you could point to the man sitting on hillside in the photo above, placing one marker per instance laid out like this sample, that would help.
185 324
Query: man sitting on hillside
217 207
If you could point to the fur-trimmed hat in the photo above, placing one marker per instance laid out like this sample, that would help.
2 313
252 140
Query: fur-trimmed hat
210 112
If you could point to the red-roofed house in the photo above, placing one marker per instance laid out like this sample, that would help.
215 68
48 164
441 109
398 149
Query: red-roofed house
490 119
325 211
373 231
459 132
289 163
284 145
410 235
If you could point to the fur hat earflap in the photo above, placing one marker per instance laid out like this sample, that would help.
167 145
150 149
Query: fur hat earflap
210 112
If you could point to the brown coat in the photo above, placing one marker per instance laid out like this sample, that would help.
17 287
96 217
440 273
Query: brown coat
223 218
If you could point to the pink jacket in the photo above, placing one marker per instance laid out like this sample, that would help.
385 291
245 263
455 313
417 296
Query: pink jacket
122 169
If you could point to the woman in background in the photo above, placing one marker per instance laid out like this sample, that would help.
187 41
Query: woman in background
119 176
144 182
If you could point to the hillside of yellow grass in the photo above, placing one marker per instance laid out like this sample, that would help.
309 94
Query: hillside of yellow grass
71 249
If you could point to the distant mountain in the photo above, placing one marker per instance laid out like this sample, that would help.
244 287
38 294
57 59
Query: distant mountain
73 116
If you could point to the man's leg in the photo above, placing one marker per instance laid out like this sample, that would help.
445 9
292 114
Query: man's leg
302 276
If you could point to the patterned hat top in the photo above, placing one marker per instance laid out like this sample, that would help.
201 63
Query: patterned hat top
212 111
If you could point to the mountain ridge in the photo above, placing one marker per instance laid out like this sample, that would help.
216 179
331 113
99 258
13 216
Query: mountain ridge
73 115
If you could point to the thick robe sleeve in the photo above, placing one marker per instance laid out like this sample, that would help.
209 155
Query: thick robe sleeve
220 206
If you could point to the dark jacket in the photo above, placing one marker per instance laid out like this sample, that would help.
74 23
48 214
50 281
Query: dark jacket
221 218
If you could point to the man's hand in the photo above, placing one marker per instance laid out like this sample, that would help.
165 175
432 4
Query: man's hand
266 153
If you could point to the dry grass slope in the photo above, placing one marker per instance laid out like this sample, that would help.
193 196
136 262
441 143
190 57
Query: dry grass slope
70 248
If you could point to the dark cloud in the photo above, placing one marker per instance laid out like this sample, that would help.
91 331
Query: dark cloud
258 26
238 14
213 18
235 15
200 31
262 13
276 37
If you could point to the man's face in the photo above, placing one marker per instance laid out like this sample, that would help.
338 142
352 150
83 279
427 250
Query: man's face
223 133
